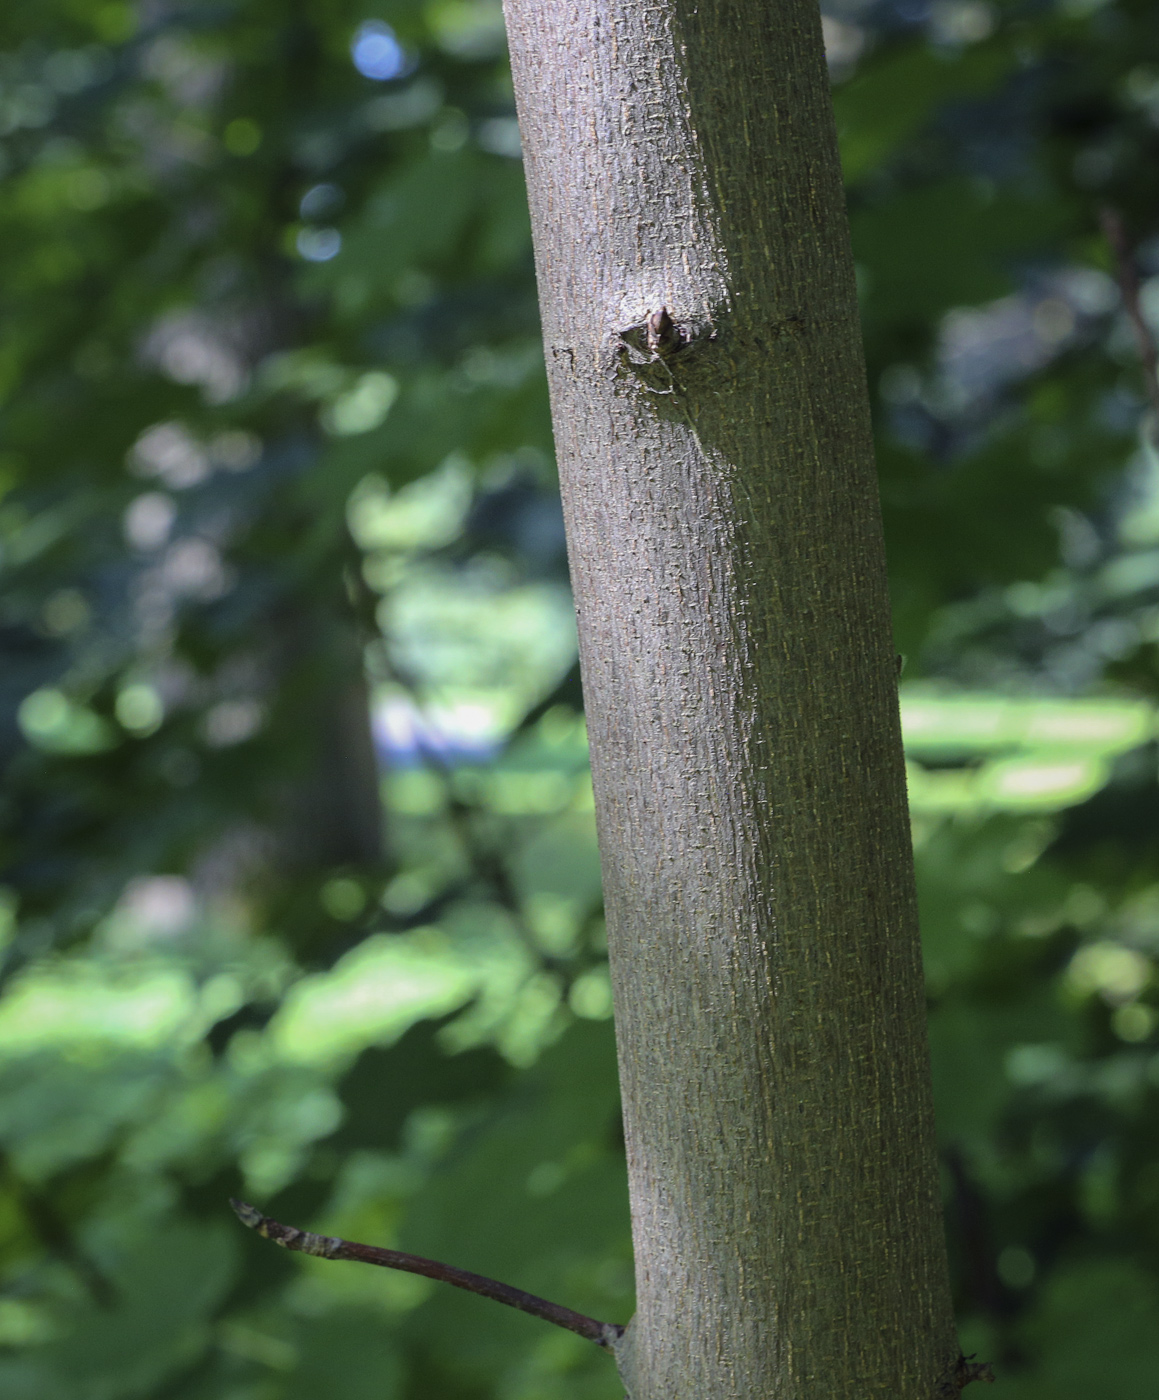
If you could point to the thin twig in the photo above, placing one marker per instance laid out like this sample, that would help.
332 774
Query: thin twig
1127 276
604 1334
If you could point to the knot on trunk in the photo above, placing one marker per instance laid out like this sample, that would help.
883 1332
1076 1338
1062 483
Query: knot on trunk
966 1369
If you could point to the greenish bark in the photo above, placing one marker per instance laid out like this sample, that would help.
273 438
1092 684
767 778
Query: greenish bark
727 560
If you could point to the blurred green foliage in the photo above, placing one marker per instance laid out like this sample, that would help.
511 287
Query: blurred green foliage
300 893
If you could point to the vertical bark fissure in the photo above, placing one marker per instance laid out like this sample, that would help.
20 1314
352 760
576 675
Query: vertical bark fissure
728 570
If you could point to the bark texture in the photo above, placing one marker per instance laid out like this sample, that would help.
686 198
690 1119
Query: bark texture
727 559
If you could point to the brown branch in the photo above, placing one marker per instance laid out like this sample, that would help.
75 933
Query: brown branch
1127 276
604 1334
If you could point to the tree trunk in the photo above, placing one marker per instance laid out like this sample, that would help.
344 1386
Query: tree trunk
727 561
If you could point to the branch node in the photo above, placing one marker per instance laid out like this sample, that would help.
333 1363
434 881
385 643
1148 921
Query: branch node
657 337
966 1370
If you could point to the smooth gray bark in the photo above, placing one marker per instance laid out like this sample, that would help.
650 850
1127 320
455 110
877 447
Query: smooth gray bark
727 560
